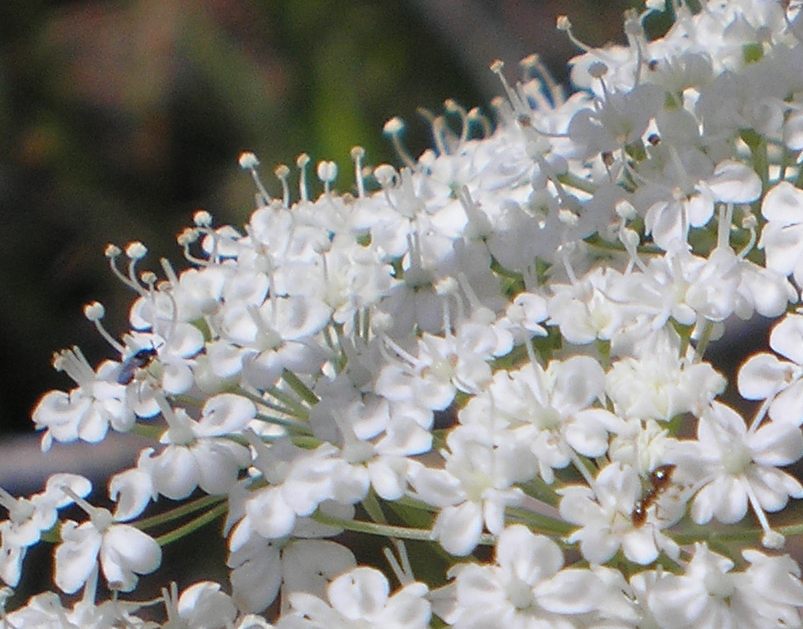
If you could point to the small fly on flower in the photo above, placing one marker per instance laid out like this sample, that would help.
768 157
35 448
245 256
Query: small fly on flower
140 359
660 478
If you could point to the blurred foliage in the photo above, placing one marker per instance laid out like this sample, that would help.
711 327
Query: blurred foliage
121 118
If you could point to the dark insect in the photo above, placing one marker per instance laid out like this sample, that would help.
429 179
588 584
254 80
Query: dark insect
660 478
138 360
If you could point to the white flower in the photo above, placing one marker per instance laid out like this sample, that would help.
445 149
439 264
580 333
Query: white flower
605 515
739 465
698 186
549 410
298 482
782 236
526 586
88 410
260 567
660 385
198 453
29 518
710 594
763 376
474 487
201 604
124 552
442 366
360 598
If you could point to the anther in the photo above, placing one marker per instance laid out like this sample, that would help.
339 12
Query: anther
327 173
282 173
202 218
301 162
248 161
357 154
393 129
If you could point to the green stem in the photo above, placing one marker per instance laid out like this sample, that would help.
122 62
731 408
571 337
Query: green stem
191 526
540 523
705 338
386 530
298 409
573 181
150 431
373 508
178 512
541 491
291 409
761 164
301 389
793 530
285 423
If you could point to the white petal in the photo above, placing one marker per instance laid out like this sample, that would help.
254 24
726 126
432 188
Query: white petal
530 557
639 545
309 565
175 473
570 592
203 604
361 593
270 515
787 407
761 376
255 580
776 443
734 182
458 529
76 556
786 338
783 203
225 413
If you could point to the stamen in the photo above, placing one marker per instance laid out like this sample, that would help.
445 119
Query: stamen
447 287
101 518
95 311
749 222
556 92
635 36
187 238
169 272
453 107
327 173
771 539
301 162
135 251
393 128
475 115
479 312
440 132
479 225
282 172
249 162
202 218
724 220
520 108
75 365
386 176
113 252
563 23
179 429
357 153
403 571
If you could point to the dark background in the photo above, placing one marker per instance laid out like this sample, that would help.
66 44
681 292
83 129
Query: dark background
119 119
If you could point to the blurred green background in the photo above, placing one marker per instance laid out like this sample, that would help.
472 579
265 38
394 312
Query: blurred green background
119 119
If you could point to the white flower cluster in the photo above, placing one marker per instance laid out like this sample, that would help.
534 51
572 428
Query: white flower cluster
500 343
